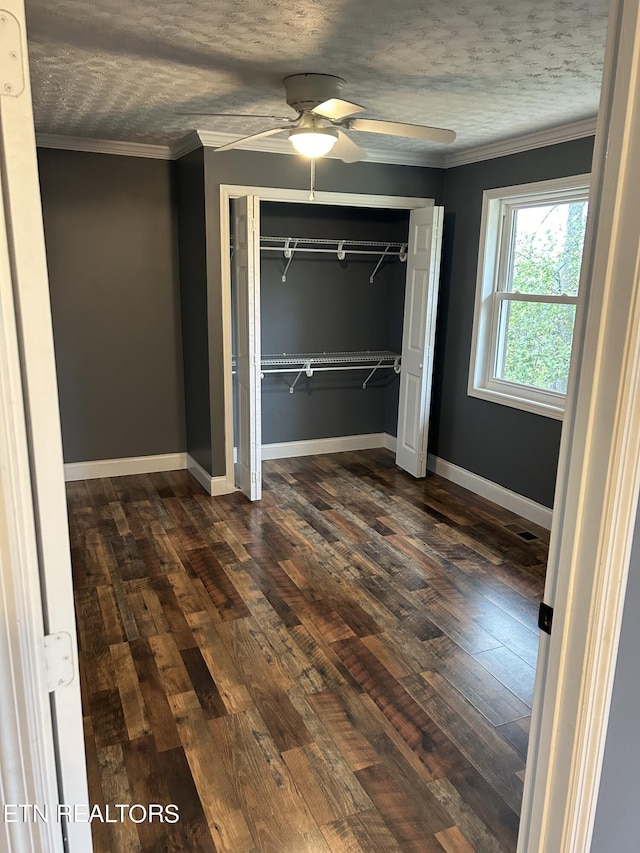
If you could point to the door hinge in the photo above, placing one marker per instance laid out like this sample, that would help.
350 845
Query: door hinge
58 660
11 55
545 617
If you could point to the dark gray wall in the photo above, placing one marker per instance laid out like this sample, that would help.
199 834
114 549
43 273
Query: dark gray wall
516 449
189 180
327 305
273 170
616 824
111 247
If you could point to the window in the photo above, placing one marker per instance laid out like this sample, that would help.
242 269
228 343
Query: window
531 242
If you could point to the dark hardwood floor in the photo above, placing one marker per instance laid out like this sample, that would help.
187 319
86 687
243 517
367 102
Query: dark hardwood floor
346 665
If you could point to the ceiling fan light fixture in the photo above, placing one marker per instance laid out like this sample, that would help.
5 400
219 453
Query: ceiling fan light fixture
313 142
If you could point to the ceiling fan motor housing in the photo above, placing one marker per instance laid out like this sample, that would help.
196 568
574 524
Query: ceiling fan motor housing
306 91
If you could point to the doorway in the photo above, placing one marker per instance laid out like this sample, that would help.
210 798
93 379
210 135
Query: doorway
335 322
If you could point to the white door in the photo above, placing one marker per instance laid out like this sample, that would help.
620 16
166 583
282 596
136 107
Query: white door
246 260
44 508
418 333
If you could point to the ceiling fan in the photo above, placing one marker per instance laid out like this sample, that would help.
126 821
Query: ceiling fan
323 117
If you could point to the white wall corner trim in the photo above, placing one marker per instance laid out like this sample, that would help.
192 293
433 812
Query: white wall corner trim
340 444
121 467
212 485
518 504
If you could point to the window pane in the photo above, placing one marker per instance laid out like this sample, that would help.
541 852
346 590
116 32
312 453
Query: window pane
547 248
535 344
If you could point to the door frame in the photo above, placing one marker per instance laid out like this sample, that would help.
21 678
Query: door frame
232 191
27 751
598 480
48 758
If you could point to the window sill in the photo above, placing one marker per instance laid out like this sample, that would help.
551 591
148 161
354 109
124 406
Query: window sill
536 407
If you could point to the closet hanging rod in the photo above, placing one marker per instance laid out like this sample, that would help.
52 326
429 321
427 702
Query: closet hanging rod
334 242
309 363
290 245
346 249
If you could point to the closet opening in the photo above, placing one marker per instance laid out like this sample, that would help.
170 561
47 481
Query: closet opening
320 325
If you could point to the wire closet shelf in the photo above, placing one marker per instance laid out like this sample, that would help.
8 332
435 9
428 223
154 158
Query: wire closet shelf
340 248
312 362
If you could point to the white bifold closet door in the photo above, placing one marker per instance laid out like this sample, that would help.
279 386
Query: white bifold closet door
246 260
418 334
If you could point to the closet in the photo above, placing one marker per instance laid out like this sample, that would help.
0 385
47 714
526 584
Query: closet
333 314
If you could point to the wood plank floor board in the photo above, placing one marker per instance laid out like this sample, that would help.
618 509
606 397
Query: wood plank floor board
216 789
343 666
173 613
225 674
325 661
329 788
117 789
411 822
521 640
470 822
501 820
155 699
131 698
163 778
361 832
476 738
205 687
453 840
267 683
277 814
517 734
511 670
437 752
335 716
100 832
487 694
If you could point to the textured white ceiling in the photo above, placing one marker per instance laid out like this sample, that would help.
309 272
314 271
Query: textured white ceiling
122 69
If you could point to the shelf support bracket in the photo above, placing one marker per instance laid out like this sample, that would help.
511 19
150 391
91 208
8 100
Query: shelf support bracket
306 369
364 384
378 265
289 252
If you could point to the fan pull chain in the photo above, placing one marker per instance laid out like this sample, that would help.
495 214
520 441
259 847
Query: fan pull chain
312 193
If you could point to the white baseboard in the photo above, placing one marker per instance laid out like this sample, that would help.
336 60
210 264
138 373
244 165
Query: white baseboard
289 449
212 485
390 442
512 501
147 465
524 507
121 467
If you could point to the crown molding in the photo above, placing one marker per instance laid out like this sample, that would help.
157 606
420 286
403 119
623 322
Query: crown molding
103 146
185 145
212 139
525 142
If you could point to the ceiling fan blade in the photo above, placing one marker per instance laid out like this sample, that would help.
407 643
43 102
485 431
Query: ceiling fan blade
238 142
336 109
347 150
239 115
396 128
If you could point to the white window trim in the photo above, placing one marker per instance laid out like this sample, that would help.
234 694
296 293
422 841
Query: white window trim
482 383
